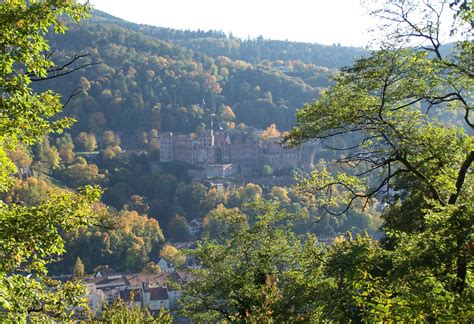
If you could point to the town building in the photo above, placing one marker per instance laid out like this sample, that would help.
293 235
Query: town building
195 226
165 265
151 291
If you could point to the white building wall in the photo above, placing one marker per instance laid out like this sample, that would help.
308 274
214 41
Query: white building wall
166 147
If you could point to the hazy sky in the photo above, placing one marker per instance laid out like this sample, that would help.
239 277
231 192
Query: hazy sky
318 21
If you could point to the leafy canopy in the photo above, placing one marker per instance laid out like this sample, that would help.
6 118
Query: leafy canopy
30 236
401 120
408 113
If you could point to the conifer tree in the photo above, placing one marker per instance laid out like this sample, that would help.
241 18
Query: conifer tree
78 270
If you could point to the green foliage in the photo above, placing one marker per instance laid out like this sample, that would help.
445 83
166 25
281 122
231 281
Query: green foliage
150 80
173 255
151 267
120 312
267 170
123 243
30 191
178 228
78 270
81 173
26 115
29 240
30 235
419 166
254 51
381 116
259 273
222 223
148 83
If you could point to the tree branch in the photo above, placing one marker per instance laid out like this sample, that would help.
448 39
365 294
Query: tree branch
461 177
62 70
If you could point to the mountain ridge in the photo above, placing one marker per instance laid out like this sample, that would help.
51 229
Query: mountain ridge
346 53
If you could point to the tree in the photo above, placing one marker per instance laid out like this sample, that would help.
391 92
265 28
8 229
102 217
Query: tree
260 273
78 270
271 132
109 154
120 312
143 140
280 194
193 199
87 141
20 156
29 236
173 255
151 268
124 244
227 114
53 159
30 191
222 223
138 204
250 192
81 173
392 105
178 228
66 148
134 237
36 295
47 155
97 122
267 170
109 138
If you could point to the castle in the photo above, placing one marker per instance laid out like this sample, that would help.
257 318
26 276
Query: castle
224 154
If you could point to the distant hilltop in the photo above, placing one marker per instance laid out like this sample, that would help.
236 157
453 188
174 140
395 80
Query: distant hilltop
253 50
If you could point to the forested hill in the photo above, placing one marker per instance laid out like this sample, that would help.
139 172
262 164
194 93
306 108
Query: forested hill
161 79
217 43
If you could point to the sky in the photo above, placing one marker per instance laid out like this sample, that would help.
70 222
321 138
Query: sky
327 22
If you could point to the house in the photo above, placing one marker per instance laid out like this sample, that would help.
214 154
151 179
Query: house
195 226
280 157
111 286
95 300
192 262
111 282
152 291
133 297
145 281
156 298
165 266
173 297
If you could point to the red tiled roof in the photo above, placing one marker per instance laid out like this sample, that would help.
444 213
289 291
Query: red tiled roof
108 280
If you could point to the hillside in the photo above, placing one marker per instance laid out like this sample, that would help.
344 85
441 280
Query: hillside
217 43
145 80
169 80
152 175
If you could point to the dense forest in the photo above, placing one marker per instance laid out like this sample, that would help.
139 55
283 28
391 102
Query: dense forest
216 43
82 189
152 78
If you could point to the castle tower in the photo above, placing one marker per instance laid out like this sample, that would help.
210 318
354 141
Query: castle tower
166 147
206 138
